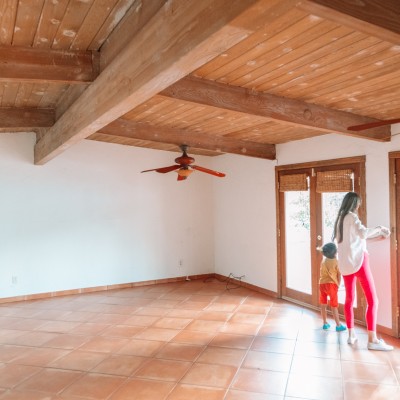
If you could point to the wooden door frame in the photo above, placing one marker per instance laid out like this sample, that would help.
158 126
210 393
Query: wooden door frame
307 165
394 268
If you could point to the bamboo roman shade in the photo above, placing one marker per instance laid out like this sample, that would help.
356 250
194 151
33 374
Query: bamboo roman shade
293 183
335 181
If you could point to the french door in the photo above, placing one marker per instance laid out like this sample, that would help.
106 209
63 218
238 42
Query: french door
309 197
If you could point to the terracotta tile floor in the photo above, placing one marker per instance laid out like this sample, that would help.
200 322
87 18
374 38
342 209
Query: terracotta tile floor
184 341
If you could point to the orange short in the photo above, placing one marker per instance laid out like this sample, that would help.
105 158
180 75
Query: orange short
331 290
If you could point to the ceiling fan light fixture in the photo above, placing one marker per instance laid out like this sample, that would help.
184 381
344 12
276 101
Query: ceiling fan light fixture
184 172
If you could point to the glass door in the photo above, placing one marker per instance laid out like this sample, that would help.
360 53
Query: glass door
308 207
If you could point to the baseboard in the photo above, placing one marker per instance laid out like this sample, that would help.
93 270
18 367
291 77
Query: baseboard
117 286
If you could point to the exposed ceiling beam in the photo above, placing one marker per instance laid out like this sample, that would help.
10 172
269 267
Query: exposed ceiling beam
376 18
130 129
25 64
180 38
26 117
282 109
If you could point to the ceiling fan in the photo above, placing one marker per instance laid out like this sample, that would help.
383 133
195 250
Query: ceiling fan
373 124
184 167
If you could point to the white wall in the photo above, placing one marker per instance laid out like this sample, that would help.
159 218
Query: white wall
245 220
89 218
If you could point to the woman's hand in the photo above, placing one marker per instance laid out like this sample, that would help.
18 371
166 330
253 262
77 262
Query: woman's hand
385 232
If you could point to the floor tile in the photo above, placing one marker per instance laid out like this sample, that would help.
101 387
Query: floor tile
371 373
79 360
50 380
13 374
371 391
194 392
222 356
139 347
210 375
268 361
163 370
120 365
94 386
140 389
317 387
180 351
260 381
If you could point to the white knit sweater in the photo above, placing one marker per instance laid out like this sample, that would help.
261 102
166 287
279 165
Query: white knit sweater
351 249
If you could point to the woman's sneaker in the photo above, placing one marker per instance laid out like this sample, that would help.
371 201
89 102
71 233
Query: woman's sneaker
381 345
352 340
325 327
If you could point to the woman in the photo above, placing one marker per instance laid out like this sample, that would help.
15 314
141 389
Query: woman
350 235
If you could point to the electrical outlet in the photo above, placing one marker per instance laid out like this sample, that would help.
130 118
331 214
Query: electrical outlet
14 280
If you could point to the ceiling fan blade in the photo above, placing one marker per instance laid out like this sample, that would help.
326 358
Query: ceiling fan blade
373 124
208 171
164 170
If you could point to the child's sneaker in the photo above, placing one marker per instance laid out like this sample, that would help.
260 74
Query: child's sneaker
340 328
325 327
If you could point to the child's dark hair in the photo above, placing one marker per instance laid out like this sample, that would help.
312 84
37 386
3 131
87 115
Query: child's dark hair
329 250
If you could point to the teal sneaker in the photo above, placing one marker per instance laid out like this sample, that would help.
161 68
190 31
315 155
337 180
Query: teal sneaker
325 327
340 328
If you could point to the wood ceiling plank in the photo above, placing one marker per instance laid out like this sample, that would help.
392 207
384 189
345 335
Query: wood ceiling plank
376 18
26 64
27 19
299 61
69 26
10 94
8 12
276 51
176 41
343 87
125 128
291 111
94 20
52 14
248 49
341 69
371 91
118 12
25 117
24 92
315 67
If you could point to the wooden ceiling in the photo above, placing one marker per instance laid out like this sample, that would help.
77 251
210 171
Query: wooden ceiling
222 76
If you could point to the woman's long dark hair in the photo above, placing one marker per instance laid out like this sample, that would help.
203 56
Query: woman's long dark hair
350 202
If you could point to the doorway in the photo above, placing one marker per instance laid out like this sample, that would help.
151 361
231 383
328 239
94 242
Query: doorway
308 197
394 193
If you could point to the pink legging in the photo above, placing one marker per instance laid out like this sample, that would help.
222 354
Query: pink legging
367 283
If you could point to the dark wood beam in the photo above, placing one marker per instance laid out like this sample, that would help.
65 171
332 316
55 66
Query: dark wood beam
133 130
280 109
181 37
18 118
376 18
25 64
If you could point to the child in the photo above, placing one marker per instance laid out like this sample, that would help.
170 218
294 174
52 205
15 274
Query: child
329 282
